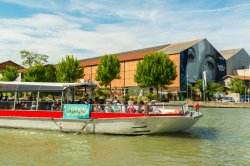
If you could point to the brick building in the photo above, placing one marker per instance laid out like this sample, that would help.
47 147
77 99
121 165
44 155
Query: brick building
191 59
10 63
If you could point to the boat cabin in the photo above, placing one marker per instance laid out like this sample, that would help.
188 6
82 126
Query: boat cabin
41 95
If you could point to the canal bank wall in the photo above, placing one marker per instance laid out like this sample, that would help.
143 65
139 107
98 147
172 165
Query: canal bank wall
211 104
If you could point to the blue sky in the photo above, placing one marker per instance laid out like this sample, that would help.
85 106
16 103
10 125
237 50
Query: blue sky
93 28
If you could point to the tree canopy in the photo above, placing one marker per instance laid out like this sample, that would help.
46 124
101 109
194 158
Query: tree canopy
108 70
213 88
40 73
237 86
69 70
33 58
9 74
155 70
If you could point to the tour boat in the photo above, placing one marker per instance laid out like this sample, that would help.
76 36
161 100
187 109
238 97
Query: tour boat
30 108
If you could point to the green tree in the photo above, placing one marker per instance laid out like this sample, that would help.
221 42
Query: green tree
237 86
199 86
33 58
40 73
69 70
50 73
108 70
213 88
155 70
9 74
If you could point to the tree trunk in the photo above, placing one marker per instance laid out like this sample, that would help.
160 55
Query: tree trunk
110 90
157 91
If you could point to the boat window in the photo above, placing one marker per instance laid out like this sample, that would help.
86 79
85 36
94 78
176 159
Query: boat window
6 100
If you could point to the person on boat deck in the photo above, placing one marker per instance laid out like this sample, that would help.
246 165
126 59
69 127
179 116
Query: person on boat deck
136 106
145 107
85 99
115 106
140 104
152 106
53 106
33 105
108 107
5 98
131 107
96 107
123 106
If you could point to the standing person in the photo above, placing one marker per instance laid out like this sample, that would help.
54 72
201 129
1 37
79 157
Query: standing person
196 106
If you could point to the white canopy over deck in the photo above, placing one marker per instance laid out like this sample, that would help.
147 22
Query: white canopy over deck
40 86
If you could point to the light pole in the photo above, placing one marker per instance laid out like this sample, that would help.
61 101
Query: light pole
248 90
245 87
187 83
204 84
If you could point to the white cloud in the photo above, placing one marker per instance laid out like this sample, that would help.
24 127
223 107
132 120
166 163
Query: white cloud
60 32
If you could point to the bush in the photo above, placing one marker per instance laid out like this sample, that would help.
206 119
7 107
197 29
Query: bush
151 96
163 98
102 93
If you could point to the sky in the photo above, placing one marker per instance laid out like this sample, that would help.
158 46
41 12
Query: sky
93 28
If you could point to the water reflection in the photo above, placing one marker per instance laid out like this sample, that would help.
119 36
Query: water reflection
215 140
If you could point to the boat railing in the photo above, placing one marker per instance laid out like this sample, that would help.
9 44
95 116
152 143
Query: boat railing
51 105
138 108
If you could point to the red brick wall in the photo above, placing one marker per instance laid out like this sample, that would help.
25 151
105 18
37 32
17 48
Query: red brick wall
127 77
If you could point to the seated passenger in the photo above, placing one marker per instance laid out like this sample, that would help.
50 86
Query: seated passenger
141 107
131 108
123 106
96 107
108 107
33 105
152 107
85 99
115 107
53 106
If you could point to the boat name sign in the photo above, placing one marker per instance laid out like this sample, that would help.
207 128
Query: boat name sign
76 111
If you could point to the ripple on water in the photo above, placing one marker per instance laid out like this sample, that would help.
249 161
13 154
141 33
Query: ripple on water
221 137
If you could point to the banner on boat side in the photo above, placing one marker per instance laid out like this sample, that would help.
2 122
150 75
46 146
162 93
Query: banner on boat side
76 111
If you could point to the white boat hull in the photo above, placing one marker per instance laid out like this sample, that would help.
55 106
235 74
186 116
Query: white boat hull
126 126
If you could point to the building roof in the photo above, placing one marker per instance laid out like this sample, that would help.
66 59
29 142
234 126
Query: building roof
125 56
140 53
229 53
179 47
9 63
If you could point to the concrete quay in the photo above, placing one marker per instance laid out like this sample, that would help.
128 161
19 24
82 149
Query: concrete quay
212 104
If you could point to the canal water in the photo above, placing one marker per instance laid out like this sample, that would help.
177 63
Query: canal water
221 137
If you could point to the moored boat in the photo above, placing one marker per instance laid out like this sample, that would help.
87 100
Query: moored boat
65 113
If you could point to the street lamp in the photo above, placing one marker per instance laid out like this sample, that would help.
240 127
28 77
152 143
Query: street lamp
204 84
245 86
187 83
